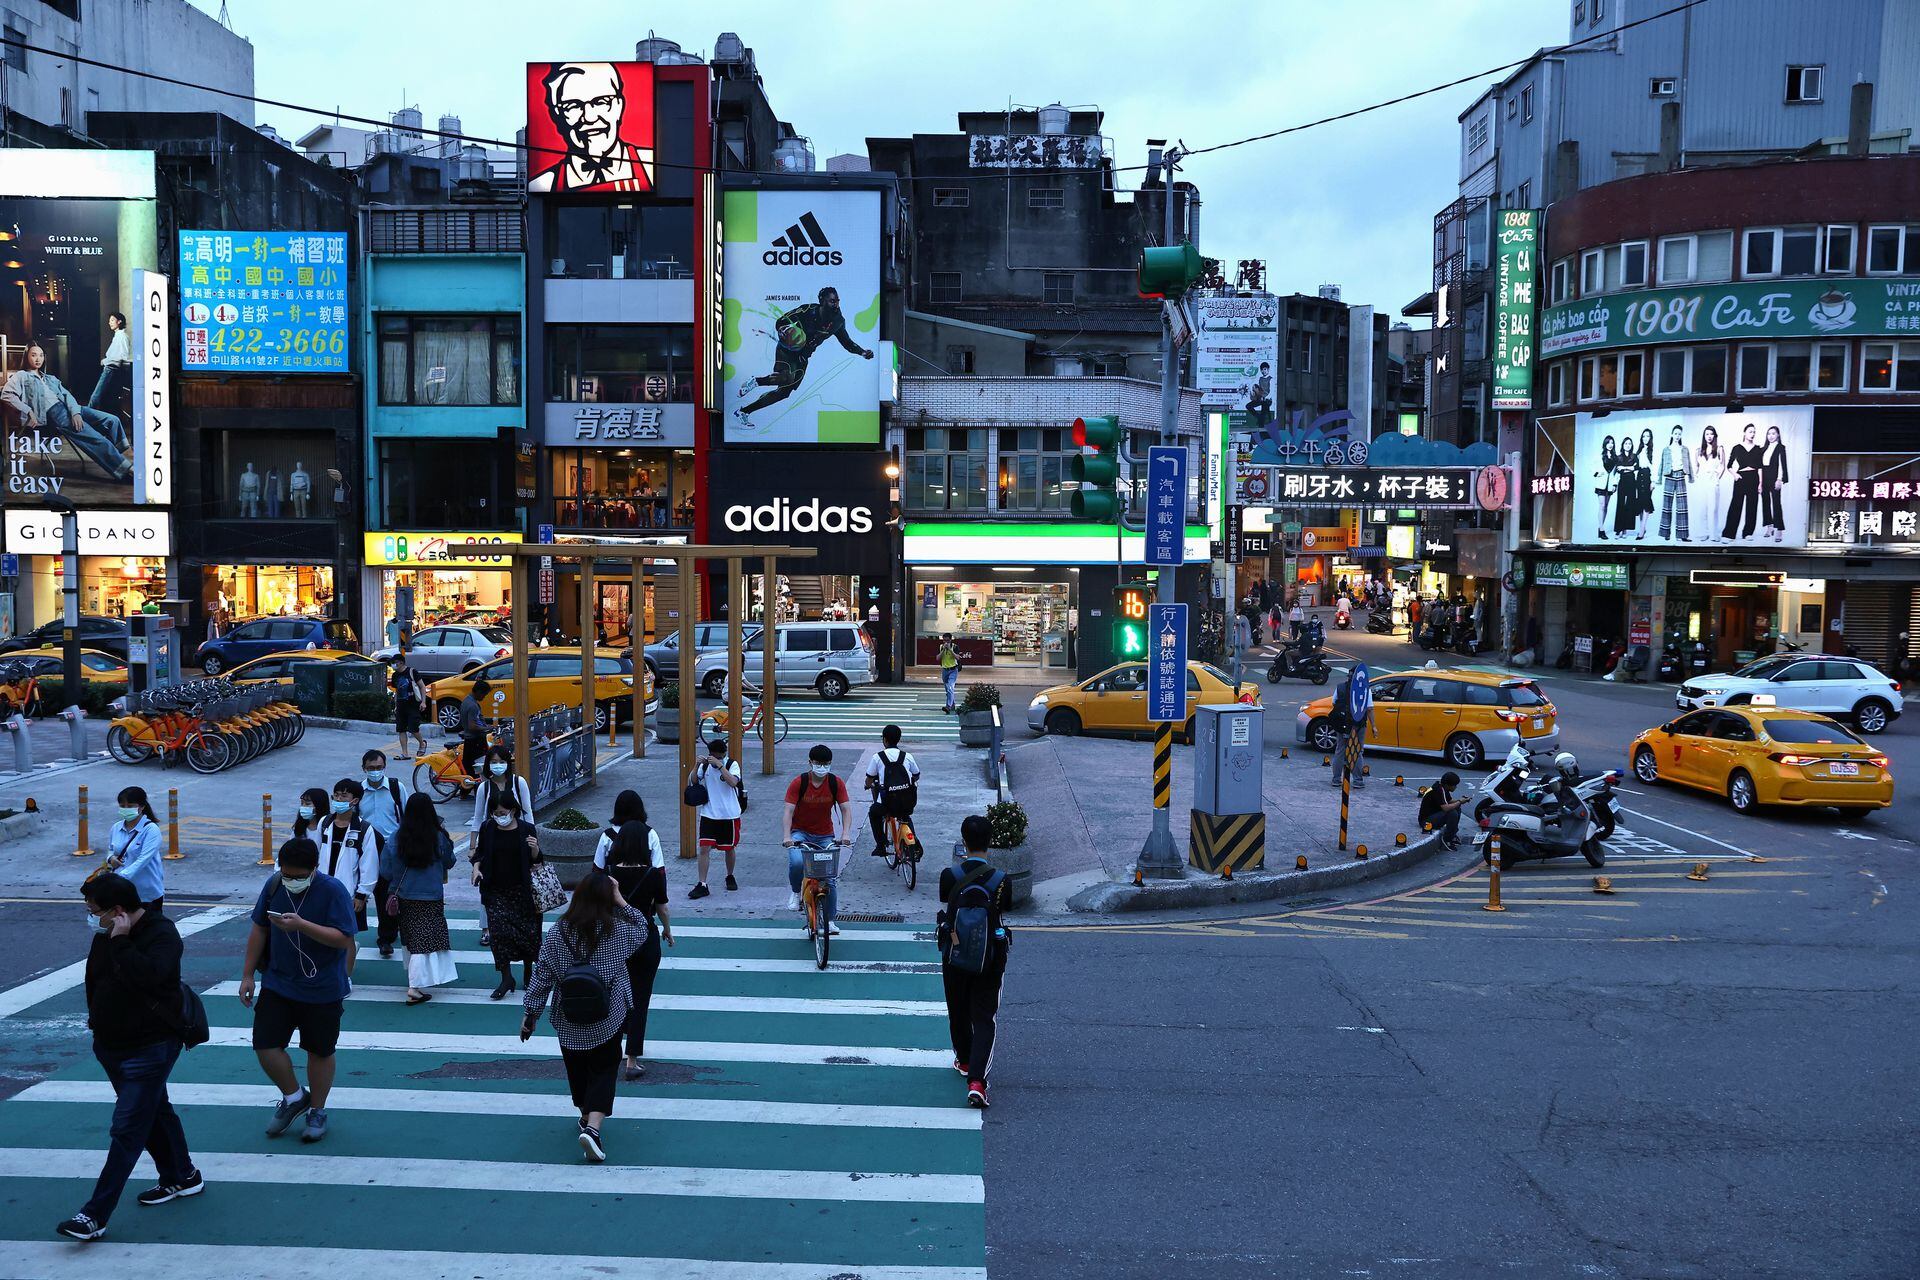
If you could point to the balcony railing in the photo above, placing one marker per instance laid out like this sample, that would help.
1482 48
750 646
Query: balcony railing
445 231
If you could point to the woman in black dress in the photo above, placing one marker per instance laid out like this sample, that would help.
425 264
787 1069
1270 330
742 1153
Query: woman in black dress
1643 483
1626 498
1773 477
1609 460
505 852
638 865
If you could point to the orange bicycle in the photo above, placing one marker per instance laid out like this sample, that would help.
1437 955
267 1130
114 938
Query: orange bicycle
714 723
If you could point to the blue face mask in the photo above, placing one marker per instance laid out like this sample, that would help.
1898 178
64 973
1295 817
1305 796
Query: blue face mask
341 806
376 777
306 811
497 768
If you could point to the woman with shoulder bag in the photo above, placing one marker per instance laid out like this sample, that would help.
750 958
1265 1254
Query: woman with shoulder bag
416 869
504 858
639 865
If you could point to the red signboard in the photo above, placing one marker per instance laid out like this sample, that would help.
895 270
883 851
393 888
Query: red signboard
591 126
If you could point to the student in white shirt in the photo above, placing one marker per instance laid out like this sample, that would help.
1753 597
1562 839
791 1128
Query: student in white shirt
893 780
720 815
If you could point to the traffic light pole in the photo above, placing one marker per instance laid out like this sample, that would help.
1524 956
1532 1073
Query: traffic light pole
1159 859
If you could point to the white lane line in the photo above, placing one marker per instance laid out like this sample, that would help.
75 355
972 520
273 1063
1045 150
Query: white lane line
792 933
367 993
633 1107
49 985
301 1170
719 964
1734 848
60 1260
544 1046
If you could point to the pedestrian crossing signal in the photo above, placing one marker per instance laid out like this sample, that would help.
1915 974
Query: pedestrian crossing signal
1130 622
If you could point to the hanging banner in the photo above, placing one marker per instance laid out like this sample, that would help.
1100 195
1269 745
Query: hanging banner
1516 275
153 391
1236 351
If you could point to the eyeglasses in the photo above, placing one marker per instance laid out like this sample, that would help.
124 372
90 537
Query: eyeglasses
572 111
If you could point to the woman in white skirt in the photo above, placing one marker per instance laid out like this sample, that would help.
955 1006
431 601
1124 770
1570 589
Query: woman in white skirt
416 866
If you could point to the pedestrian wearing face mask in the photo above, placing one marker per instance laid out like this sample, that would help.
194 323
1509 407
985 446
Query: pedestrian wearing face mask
349 852
381 805
302 931
417 867
133 978
500 780
719 773
503 860
136 848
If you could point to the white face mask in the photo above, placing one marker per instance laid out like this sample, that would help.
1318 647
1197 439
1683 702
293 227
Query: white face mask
296 886
503 820
98 924
819 770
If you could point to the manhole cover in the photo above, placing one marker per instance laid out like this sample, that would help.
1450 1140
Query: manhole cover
851 917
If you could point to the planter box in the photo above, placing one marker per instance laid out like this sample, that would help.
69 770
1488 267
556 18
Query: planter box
666 724
569 852
1017 863
976 728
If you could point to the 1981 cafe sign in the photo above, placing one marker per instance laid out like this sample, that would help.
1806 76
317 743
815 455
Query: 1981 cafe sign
1750 309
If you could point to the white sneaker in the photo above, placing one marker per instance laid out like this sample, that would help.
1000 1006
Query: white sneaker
793 902
833 930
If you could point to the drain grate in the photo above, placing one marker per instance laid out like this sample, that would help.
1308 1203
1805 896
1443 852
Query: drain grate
854 917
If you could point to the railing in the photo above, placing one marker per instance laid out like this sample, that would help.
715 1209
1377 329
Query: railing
562 754
445 231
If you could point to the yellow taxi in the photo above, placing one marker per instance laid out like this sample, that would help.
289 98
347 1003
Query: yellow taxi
1466 717
277 668
1756 754
1115 701
47 662
553 680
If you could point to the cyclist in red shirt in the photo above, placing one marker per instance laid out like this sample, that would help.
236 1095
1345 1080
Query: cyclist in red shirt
809 818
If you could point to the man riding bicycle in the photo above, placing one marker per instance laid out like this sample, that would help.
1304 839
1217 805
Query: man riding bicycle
813 801
893 781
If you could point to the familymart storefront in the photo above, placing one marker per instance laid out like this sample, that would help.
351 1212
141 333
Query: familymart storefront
447 587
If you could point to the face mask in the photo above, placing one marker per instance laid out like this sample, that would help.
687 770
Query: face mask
819 770
503 820
306 811
98 924
296 886
497 768
341 806
375 777
128 814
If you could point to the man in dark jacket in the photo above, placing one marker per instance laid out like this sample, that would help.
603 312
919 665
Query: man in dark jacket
133 1004
973 999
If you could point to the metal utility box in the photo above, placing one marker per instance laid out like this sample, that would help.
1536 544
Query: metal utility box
1227 758
153 652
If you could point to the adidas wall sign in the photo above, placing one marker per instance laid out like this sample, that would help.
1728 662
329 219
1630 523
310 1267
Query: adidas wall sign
803 245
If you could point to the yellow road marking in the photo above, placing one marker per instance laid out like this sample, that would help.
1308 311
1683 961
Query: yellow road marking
1418 922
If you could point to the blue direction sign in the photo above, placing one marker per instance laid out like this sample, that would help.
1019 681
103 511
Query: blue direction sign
544 533
1167 663
1362 695
1166 505
9 566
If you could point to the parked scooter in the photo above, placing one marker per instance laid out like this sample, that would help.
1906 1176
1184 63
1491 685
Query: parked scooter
1466 640
1380 620
1521 770
1551 820
1433 634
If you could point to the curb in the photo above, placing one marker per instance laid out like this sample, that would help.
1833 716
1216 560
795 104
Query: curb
351 726
21 825
1213 891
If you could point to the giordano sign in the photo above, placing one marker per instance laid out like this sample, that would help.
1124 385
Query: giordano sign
1845 308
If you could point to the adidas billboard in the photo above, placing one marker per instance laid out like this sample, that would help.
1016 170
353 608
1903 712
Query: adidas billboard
800 325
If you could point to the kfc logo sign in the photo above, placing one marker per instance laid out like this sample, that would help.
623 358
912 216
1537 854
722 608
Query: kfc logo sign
782 515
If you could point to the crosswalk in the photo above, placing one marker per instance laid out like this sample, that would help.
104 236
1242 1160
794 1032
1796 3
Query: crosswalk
866 710
793 1125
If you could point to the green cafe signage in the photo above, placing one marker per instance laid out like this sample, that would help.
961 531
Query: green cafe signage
1845 308
1594 574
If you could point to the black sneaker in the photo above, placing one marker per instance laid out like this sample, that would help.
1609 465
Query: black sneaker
732 883
590 1143
699 891
166 1191
81 1227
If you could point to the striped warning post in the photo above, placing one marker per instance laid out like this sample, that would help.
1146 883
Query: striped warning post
1235 841
1163 765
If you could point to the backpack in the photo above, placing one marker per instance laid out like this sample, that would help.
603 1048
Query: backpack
973 924
403 686
582 992
898 791
626 875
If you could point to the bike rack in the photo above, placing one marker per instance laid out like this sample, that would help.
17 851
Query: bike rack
76 733
16 726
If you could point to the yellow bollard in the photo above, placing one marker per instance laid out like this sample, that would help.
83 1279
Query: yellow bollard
1300 862
80 848
173 825
1366 771
33 806
1493 874
1699 871
1226 871
266 831
1399 780
1400 840
1359 853
1325 761
613 728
1602 884
1283 753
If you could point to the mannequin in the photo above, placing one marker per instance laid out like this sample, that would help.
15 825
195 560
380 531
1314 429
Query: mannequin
250 493
273 493
300 489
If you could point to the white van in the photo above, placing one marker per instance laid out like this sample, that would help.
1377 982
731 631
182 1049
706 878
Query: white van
831 657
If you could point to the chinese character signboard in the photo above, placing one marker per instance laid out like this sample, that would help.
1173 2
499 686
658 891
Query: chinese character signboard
1167 663
1236 351
1516 273
1693 478
1235 548
1867 512
1410 487
1035 151
1593 575
1166 501
1716 313
263 301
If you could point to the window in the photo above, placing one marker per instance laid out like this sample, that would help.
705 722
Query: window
1557 383
1829 366
1893 250
1632 370
1803 84
952 197
1755 368
1839 256
1525 195
943 286
959 359
1633 265
230 455
1046 198
1579 12
450 360
620 363
644 488
1709 371
620 241
1033 462
1792 366
419 490
1762 253
1781 251
1593 278
1561 277
1890 366
1670 371
1588 369
1599 11
1513 108
1056 288
1476 133
946 469
1660 87
15 56
1526 103
1698 371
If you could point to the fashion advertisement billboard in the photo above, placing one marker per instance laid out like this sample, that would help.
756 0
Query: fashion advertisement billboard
1693 478
591 126
801 316
67 400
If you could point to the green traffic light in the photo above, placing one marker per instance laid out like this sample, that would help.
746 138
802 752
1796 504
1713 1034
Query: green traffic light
1129 640
1169 272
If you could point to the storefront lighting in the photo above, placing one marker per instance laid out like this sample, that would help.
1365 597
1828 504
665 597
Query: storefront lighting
893 471
1006 569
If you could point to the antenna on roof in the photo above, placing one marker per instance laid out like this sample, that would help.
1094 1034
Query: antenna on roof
226 19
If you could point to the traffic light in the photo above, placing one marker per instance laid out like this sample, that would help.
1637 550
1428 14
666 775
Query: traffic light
1096 469
1169 272
1130 621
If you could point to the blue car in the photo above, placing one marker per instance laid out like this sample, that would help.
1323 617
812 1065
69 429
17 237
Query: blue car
262 636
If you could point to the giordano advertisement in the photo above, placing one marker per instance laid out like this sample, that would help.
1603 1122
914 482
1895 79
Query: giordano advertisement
801 317
1751 309
74 226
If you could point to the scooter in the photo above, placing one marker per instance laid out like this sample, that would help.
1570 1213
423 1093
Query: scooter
1466 640
1513 776
1433 635
1302 660
1342 619
1530 830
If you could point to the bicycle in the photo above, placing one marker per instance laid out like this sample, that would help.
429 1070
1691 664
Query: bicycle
442 774
822 868
717 720
903 849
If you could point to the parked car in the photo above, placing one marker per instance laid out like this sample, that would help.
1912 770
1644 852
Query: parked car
262 636
1757 753
708 637
96 666
277 668
553 680
451 650
1116 700
1843 687
1468 717
109 635
830 657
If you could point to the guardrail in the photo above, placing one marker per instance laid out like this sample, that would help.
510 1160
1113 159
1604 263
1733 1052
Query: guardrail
562 755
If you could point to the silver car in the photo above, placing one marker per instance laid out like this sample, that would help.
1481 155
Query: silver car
663 655
830 657
452 651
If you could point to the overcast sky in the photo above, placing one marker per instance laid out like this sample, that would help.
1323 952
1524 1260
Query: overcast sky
1349 203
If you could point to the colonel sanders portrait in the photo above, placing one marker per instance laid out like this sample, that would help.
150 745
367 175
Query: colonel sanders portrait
588 104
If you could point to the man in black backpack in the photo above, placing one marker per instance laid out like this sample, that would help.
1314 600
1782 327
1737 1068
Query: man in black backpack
893 780
973 954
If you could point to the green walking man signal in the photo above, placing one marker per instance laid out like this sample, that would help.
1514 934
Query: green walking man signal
1130 601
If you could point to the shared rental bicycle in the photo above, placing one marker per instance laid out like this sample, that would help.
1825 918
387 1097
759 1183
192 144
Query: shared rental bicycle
822 855
716 721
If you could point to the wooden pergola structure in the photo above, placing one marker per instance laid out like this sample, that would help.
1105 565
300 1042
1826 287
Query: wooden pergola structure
685 558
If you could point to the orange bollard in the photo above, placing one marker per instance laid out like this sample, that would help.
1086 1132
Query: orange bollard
1300 862
80 847
613 728
1493 874
266 831
173 825
1359 853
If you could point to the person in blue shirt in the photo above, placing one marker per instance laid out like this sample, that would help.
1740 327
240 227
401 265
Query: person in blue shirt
136 848
302 929
380 808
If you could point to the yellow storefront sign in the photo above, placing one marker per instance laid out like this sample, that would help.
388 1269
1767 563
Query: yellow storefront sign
433 550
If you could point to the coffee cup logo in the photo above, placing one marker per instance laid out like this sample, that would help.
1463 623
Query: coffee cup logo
1832 311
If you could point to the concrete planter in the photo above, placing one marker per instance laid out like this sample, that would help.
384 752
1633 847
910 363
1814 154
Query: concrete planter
976 728
1017 863
570 853
666 724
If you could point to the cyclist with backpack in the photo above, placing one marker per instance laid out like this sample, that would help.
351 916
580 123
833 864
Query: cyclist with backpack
893 780
583 967
814 801
973 945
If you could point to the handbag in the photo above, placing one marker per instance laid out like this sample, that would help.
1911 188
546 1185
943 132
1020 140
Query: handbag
696 793
548 893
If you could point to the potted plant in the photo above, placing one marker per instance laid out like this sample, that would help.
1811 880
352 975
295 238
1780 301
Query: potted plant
1007 846
666 719
976 714
567 841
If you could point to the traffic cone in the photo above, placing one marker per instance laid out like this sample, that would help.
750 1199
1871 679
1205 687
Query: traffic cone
1602 884
1699 871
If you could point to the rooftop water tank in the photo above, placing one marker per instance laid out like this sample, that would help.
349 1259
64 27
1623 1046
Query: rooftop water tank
1054 118
729 48
449 135
793 155
406 127
663 52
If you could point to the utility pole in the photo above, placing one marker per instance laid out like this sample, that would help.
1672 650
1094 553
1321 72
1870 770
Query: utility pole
70 595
